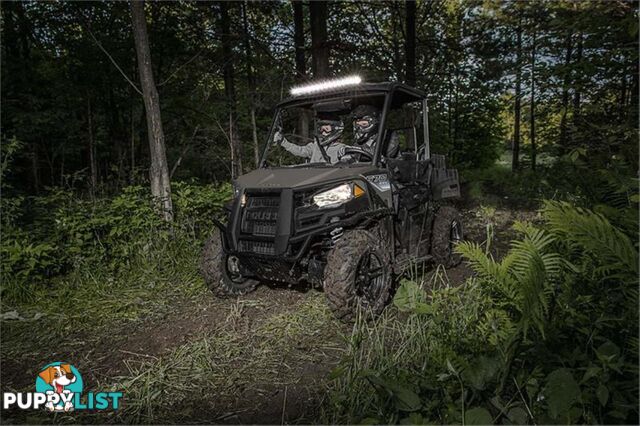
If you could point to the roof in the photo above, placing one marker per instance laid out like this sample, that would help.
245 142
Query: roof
363 89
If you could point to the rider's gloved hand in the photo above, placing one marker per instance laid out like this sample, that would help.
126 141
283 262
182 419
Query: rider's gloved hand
345 158
278 137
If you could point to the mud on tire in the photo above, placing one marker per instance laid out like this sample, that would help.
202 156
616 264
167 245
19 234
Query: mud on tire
445 236
343 285
217 277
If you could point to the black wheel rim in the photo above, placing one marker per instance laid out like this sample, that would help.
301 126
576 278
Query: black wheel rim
235 277
369 278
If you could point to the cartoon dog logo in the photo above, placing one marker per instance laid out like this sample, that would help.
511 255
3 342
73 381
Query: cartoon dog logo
60 378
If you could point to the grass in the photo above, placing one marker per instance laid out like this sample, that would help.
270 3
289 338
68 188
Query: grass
230 363
387 357
78 310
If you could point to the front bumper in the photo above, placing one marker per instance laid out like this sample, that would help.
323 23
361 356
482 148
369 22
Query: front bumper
274 231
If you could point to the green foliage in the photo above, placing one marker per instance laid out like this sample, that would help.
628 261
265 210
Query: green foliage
562 393
65 232
593 233
524 278
548 334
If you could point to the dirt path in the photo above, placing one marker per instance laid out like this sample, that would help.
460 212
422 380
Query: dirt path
278 345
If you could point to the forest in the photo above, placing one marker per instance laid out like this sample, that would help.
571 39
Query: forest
125 124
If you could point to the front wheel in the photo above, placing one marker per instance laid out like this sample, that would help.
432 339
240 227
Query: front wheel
358 273
221 272
447 233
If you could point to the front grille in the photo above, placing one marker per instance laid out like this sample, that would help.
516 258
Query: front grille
259 247
260 215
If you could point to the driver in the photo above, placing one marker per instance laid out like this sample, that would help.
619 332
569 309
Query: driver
365 126
326 146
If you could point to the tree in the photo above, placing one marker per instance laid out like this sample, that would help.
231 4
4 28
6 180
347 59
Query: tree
301 71
576 93
158 170
251 83
92 150
410 42
565 92
515 160
229 89
319 44
532 106
298 39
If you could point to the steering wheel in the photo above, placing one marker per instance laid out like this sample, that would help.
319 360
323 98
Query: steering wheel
357 150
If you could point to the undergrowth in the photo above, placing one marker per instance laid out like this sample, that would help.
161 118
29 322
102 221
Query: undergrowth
85 266
546 335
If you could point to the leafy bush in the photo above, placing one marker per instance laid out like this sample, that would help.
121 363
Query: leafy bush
60 232
573 177
548 335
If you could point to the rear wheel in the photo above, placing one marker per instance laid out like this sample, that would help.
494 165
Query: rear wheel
447 232
221 272
358 273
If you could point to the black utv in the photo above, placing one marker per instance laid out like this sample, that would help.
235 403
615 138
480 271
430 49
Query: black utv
350 215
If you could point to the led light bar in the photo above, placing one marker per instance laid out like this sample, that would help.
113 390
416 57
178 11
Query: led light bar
326 85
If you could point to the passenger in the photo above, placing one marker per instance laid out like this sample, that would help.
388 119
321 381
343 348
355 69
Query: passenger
366 119
328 133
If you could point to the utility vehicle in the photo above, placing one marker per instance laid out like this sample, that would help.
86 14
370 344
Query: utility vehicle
351 227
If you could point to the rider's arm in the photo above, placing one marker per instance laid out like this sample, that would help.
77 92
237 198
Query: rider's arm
297 150
335 151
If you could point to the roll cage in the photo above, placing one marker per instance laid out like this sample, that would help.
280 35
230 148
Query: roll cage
395 94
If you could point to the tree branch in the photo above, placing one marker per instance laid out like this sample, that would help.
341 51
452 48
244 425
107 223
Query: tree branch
166 80
113 61
184 151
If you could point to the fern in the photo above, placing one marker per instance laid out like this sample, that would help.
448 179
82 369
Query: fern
593 233
524 277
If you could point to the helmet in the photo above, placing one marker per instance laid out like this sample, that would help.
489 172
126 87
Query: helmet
328 130
365 122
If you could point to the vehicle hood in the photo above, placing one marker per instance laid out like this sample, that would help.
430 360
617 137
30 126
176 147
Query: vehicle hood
299 177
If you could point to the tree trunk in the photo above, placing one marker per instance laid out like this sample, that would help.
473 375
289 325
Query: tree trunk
565 93
319 45
298 39
159 170
301 69
532 111
133 146
229 89
633 95
410 42
515 149
93 183
251 83
576 93
35 169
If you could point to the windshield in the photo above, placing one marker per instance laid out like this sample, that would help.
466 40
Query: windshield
325 133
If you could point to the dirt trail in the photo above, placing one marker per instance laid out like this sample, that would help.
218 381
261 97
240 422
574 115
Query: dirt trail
297 382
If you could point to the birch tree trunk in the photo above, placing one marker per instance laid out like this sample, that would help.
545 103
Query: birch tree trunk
159 170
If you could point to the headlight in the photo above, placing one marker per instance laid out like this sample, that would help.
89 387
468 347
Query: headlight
338 195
